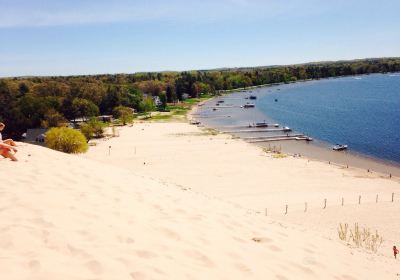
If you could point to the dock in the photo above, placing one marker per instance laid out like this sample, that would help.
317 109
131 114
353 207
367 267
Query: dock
257 130
274 138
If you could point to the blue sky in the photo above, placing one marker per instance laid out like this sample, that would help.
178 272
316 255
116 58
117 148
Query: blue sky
49 37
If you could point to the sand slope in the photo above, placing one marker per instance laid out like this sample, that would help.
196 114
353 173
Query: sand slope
67 217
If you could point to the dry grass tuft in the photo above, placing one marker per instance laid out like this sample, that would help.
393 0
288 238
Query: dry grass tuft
360 238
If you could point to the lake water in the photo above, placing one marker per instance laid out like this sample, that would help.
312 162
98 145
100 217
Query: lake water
362 112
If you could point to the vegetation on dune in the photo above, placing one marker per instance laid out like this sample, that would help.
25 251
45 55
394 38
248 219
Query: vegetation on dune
51 101
66 140
360 237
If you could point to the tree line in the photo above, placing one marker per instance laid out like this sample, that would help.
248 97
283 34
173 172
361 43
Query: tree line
31 102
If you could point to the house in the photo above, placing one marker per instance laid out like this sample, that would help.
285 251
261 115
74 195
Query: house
157 100
105 118
185 96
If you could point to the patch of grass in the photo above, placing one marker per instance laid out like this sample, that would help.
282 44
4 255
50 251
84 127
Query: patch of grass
360 237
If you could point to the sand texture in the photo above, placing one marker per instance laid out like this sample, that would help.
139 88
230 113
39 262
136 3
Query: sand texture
170 201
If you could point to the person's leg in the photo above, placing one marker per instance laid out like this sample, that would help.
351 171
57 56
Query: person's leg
7 154
9 142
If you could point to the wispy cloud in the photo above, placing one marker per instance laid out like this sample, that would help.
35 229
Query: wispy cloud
26 13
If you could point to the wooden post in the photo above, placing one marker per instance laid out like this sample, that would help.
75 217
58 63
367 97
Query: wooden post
135 150
266 211
368 170
324 203
286 209
347 166
359 199
342 201
392 197
329 162
109 150
376 199
305 207
390 175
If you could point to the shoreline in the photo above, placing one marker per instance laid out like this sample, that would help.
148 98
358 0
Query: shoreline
316 150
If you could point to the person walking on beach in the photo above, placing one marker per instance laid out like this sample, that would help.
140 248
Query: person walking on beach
395 252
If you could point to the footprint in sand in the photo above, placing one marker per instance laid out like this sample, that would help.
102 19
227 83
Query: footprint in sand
34 265
145 254
169 233
94 266
242 268
201 258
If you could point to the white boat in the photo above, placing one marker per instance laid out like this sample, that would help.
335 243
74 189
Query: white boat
249 105
339 147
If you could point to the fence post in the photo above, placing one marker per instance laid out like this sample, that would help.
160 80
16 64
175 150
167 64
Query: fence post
266 211
359 199
342 201
286 209
324 203
305 207
390 175
392 197
109 150
377 198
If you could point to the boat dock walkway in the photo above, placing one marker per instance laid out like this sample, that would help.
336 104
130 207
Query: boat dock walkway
251 126
275 138
256 130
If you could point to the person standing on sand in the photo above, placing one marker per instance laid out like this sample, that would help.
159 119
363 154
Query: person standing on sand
7 141
395 252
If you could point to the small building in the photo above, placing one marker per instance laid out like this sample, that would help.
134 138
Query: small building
105 118
157 100
185 96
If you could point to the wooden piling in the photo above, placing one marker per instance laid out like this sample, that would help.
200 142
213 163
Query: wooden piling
286 211
342 201
266 211
359 199
324 203
376 199
392 197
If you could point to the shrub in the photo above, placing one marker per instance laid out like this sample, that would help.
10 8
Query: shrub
93 129
66 140
125 114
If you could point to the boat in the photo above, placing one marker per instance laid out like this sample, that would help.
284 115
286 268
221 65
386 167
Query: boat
249 105
285 128
261 124
214 109
304 138
340 147
253 97
276 99
220 101
195 122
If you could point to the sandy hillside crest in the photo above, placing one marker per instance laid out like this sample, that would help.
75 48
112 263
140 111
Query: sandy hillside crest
67 217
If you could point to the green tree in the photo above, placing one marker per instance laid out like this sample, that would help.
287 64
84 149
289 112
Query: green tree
125 114
93 129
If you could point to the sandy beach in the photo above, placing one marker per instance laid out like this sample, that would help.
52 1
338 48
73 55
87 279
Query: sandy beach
175 201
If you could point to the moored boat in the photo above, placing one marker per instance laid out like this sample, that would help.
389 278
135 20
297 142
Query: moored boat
340 147
249 105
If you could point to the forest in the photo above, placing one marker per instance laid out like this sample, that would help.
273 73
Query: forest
32 102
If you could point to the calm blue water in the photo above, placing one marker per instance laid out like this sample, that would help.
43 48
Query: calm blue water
363 112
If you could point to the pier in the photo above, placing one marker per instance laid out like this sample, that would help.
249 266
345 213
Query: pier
275 138
257 130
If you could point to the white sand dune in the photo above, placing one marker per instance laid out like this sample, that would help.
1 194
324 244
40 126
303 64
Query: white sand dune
69 217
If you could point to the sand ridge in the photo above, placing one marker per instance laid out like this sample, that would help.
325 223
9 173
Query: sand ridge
70 217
